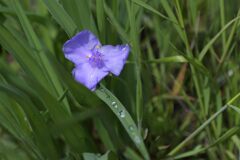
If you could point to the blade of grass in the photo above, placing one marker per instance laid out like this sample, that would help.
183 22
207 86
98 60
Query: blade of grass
103 133
35 43
194 62
36 120
115 23
61 16
171 59
83 95
101 19
222 17
229 42
224 137
22 54
130 154
205 124
172 16
235 108
74 134
151 58
76 137
80 12
125 118
137 58
210 43
15 121
151 9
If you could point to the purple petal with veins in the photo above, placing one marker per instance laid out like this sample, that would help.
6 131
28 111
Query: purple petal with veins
92 61
115 57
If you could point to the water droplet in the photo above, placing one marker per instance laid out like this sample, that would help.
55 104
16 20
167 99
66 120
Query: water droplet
114 104
131 128
122 114
137 139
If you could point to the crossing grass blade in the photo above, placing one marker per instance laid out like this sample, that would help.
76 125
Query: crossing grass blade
210 43
199 129
41 56
76 137
37 122
231 132
150 8
13 119
22 54
55 110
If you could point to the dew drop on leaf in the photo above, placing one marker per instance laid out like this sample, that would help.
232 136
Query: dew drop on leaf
137 139
131 128
122 114
114 104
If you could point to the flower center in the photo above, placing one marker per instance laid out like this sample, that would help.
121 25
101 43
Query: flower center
95 59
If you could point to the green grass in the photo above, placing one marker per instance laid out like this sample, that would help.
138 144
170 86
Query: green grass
179 90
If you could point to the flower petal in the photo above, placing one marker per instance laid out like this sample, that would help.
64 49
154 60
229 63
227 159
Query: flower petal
88 76
78 48
114 57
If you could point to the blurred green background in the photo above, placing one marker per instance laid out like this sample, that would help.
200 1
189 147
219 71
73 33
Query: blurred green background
180 84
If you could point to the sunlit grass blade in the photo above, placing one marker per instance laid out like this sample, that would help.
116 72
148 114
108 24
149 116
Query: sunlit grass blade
124 117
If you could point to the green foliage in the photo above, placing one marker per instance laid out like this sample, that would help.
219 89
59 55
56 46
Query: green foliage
177 97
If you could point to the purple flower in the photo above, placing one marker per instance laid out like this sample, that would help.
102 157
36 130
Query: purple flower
92 60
